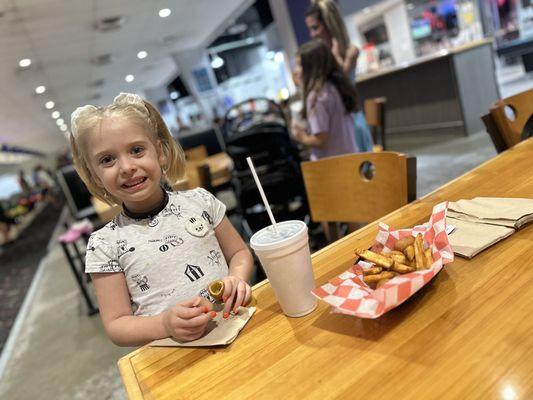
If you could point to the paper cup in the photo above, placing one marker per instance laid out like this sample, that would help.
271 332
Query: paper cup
286 259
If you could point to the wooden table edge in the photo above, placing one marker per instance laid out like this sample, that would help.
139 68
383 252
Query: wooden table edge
129 379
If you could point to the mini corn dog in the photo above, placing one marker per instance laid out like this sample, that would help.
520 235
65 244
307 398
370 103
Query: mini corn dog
216 289
402 268
402 244
420 259
372 271
378 277
410 252
429 258
375 258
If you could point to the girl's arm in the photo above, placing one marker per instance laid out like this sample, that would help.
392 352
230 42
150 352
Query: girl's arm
240 263
319 140
349 62
184 321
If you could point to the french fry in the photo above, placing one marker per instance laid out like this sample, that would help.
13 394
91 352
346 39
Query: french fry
372 271
375 258
429 258
410 252
402 244
419 253
402 268
378 277
381 282
397 256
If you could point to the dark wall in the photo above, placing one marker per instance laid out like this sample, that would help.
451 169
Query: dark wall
297 9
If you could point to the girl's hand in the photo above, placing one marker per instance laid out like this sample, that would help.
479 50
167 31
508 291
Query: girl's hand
236 293
298 133
187 320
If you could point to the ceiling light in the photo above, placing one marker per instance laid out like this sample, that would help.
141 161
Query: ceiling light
129 78
270 55
165 12
217 62
49 105
141 54
60 121
25 62
174 95
63 128
40 89
56 114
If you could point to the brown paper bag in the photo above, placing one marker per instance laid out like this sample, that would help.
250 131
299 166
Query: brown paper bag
220 331
469 238
496 210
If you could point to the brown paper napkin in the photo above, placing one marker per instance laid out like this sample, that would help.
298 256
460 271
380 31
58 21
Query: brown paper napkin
220 331
514 212
470 238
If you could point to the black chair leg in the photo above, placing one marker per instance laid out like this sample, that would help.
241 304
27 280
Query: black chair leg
79 279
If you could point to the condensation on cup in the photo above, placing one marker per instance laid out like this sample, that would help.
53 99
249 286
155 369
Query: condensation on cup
286 259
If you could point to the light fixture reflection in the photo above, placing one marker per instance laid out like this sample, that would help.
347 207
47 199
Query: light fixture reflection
25 62
165 12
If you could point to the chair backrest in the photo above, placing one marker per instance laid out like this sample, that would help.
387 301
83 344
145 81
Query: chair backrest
197 153
494 133
512 116
339 189
76 193
375 118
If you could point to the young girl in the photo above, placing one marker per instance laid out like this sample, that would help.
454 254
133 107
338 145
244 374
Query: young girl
152 263
324 21
329 98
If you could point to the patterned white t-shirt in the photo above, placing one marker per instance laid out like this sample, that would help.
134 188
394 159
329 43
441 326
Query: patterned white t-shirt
168 258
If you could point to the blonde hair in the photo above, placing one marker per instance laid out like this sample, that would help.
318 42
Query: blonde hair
327 12
131 106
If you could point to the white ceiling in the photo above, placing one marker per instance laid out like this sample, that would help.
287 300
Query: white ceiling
58 36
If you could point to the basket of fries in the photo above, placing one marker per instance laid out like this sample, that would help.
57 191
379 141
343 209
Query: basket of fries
398 264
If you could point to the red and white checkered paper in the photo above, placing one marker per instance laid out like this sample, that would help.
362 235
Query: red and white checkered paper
348 294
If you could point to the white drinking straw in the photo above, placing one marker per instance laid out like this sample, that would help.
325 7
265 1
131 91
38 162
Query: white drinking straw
262 193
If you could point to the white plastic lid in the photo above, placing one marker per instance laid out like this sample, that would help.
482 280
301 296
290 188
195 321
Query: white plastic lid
288 233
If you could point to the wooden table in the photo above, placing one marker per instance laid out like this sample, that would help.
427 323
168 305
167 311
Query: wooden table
467 334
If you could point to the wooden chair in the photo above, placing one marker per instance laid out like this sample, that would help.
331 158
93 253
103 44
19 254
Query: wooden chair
494 133
197 153
375 118
359 187
512 117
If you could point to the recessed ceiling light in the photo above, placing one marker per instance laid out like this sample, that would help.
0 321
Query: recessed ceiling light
56 114
129 78
40 89
141 54
217 62
165 12
25 62
60 121
174 95
63 128
49 105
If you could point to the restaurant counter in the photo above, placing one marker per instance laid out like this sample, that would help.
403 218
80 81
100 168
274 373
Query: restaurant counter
450 89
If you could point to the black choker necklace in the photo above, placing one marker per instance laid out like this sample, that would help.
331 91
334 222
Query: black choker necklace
150 214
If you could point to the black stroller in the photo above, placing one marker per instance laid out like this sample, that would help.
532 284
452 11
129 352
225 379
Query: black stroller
257 128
